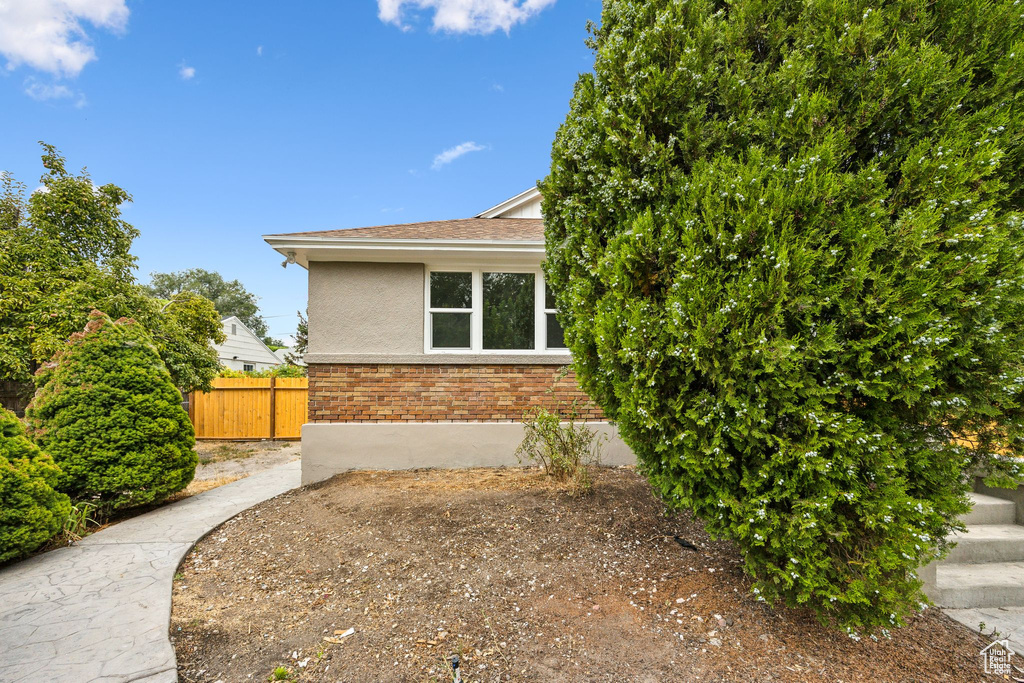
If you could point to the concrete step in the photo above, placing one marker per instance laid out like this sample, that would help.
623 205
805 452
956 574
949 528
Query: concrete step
998 584
989 510
988 543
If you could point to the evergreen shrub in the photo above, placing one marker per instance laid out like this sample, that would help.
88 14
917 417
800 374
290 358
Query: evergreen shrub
786 243
109 414
31 512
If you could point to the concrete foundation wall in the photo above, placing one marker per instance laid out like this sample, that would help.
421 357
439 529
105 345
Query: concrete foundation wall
328 449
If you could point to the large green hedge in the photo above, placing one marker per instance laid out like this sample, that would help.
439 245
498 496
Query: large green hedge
31 512
786 241
108 413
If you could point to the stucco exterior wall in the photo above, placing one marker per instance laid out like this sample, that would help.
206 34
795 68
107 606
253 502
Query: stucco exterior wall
365 308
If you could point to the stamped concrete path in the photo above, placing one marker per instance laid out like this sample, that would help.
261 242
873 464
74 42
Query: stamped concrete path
100 610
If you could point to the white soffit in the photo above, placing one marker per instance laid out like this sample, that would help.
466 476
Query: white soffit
306 249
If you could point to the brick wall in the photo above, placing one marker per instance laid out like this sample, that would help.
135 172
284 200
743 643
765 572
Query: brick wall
439 393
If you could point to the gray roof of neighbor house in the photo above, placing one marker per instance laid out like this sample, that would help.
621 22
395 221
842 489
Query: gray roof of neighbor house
512 229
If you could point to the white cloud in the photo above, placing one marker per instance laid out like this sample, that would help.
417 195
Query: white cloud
48 34
187 73
453 153
259 51
465 16
55 91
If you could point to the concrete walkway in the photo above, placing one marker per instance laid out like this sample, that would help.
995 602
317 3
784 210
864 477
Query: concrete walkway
100 610
1007 622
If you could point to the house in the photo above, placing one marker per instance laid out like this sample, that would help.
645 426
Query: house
428 342
288 355
243 350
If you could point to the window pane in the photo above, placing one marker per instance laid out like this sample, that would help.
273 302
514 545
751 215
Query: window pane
451 290
549 297
449 330
555 335
509 310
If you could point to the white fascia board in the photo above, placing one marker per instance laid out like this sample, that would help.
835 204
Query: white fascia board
509 204
308 249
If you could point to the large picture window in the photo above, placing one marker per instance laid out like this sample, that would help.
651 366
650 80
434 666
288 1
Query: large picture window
509 311
491 310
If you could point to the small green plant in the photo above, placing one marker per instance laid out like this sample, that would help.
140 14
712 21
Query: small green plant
281 673
562 445
76 524
981 629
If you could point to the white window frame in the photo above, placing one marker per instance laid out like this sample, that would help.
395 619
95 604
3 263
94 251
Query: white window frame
476 318
429 322
547 311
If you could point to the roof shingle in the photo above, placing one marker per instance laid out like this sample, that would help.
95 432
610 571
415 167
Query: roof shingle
512 229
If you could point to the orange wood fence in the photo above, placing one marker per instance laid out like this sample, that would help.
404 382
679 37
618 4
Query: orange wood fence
251 408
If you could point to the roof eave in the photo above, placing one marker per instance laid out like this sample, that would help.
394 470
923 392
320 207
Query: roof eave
306 249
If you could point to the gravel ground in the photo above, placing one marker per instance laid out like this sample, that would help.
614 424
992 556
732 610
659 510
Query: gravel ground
522 581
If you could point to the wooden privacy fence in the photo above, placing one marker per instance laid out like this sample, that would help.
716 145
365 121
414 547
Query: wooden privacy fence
15 396
251 408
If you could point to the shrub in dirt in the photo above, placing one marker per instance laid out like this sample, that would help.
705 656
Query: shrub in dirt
108 413
31 511
562 445
786 244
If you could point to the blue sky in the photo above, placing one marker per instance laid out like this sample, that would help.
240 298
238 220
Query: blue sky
227 121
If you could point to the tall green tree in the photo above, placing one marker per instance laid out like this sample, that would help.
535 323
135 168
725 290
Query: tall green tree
230 297
301 340
786 243
183 329
65 250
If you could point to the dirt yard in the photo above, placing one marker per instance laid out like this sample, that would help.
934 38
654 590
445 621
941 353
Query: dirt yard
238 459
521 581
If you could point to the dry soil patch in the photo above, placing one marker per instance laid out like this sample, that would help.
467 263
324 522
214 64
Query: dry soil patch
524 582
237 459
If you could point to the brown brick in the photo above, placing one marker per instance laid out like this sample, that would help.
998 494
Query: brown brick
440 393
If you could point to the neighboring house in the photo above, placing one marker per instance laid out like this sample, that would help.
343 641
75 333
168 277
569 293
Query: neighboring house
243 350
287 355
429 341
